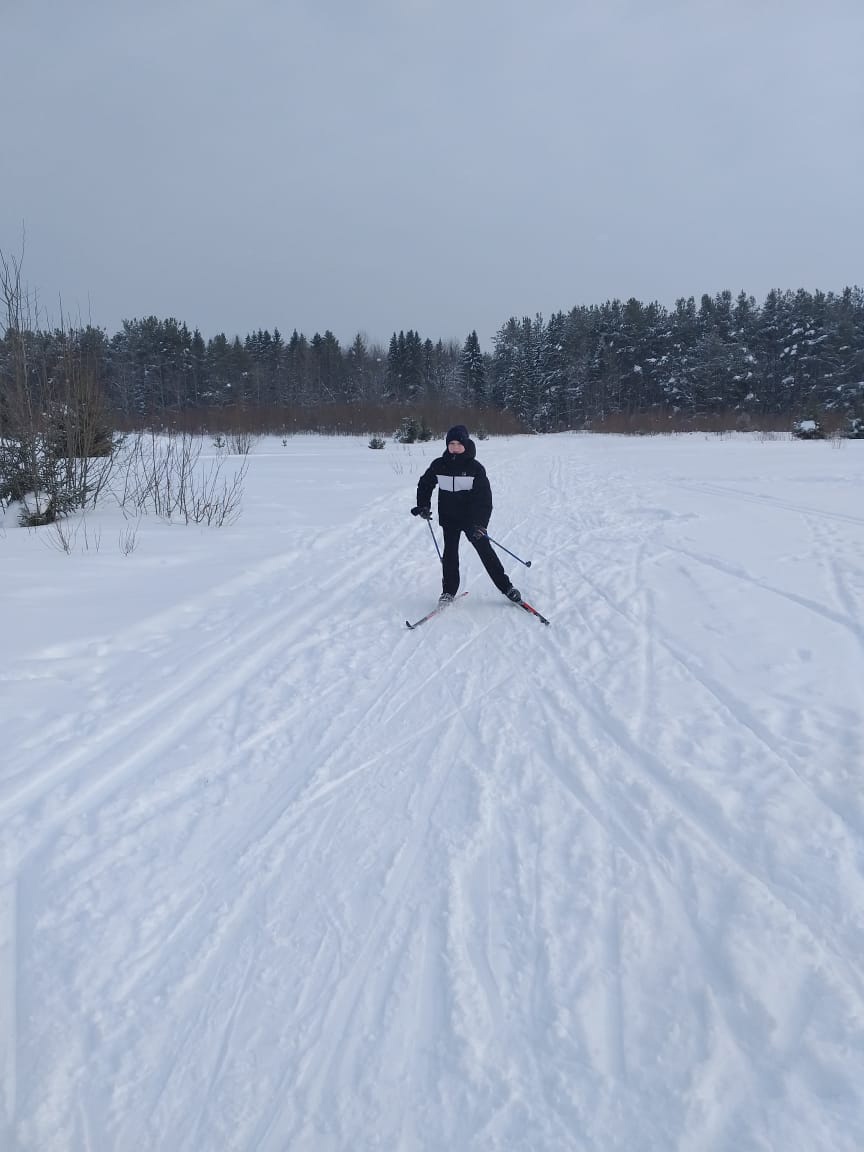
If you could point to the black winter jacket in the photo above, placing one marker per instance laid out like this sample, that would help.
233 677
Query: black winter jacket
464 493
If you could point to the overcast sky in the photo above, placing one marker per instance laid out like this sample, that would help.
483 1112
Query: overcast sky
442 165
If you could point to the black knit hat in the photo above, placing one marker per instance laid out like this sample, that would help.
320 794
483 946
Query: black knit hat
458 432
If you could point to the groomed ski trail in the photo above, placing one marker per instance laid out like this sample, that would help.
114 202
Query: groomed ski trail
292 877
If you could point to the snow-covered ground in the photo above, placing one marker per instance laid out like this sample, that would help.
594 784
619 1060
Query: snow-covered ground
279 875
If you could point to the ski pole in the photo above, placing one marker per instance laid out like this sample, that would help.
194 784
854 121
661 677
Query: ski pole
428 519
527 563
435 541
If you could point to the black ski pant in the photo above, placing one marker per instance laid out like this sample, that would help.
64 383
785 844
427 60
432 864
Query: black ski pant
488 557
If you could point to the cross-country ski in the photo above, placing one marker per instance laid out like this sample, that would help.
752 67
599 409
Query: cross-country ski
530 608
437 610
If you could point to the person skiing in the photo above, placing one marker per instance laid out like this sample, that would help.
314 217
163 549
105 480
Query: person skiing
464 505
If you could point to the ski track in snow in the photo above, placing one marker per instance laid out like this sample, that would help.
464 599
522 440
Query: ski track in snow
288 876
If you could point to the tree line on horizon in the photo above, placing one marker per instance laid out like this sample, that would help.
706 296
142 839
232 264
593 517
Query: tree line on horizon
796 353
67 393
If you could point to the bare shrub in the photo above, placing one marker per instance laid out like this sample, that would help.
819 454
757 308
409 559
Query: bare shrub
20 466
162 474
240 442
215 499
92 538
128 540
57 447
62 536
71 535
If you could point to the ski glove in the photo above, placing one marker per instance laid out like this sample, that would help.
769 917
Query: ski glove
477 533
426 513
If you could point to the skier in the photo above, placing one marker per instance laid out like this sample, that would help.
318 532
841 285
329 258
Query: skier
464 505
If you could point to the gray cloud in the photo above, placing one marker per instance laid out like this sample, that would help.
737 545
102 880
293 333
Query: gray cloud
438 166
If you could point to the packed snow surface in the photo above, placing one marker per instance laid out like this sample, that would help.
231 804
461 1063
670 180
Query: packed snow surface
279 875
